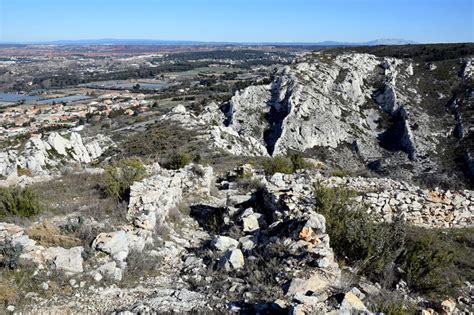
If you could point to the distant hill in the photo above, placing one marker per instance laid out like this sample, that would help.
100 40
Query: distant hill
389 41
112 41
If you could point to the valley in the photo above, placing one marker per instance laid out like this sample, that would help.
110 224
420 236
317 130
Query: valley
253 179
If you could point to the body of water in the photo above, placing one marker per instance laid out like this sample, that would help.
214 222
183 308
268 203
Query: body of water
8 97
14 97
66 99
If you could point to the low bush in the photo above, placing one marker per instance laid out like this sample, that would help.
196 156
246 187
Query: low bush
433 262
8 294
353 234
285 165
10 254
278 164
299 162
178 160
249 184
160 140
427 262
22 202
120 175
391 303
139 266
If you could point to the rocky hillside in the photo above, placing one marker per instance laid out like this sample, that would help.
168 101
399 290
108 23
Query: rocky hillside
256 205
43 157
406 117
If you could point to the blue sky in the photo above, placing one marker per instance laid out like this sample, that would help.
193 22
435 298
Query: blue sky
238 20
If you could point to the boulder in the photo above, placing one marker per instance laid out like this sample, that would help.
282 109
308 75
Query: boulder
250 222
232 259
67 260
248 242
224 243
317 222
115 244
352 304
316 283
111 271
448 306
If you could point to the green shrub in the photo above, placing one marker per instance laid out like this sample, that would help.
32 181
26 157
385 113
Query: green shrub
120 175
299 162
278 164
285 165
353 235
10 254
22 202
178 160
433 262
427 262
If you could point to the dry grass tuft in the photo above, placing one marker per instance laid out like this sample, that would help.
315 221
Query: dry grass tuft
8 293
48 235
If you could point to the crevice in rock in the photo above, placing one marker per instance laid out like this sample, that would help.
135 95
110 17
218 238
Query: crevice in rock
279 109
398 135
461 107
227 109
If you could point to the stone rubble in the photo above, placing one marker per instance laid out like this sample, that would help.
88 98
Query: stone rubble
282 216
149 205
389 200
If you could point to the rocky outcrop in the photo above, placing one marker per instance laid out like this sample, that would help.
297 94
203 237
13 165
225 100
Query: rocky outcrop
236 248
8 165
468 71
357 110
42 156
303 107
150 202
64 260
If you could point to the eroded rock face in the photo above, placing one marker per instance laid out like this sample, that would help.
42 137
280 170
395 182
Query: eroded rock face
305 105
360 110
8 163
43 156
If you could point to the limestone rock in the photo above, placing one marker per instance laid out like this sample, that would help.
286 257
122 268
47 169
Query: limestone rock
448 306
43 156
352 303
115 244
67 260
317 282
250 222
232 259
224 243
